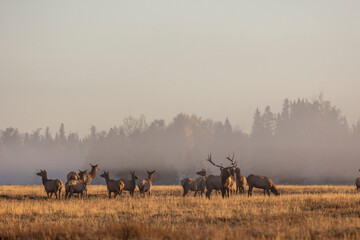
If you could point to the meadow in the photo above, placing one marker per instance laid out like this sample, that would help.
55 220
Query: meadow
301 212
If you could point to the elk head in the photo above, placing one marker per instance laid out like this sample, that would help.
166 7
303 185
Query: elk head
202 173
42 173
133 175
82 174
106 174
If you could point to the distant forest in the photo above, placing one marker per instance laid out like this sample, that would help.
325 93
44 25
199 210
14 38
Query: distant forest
308 142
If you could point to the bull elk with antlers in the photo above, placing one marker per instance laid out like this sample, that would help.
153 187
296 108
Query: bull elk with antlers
225 182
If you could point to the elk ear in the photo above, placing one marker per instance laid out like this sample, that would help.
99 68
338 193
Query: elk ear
149 172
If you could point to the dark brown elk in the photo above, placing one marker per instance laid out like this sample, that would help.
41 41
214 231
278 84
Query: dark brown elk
224 182
51 186
240 181
198 184
130 185
262 182
357 183
113 186
146 184
77 186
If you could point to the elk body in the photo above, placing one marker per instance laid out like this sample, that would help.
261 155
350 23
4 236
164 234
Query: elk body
240 181
76 186
130 185
357 183
146 184
199 184
230 182
227 179
72 176
51 186
113 186
213 182
262 182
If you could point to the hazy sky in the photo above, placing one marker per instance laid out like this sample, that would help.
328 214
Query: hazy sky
96 62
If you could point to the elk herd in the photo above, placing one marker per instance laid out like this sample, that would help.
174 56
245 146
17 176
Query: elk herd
229 182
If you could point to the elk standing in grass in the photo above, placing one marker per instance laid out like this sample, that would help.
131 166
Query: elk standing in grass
231 181
115 186
222 182
88 176
130 185
145 184
51 186
357 183
240 181
199 184
261 182
77 186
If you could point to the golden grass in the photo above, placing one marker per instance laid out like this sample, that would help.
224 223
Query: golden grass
301 212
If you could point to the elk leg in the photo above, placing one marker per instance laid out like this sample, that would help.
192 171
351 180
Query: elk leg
250 191
268 192
185 192
109 194
51 195
208 192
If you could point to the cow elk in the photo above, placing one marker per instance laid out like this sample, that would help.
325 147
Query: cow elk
51 186
240 181
146 184
130 185
77 186
262 182
357 183
113 186
198 184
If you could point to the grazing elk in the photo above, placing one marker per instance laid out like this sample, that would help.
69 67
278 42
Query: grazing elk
357 182
130 185
240 181
146 184
51 186
223 182
261 182
115 186
199 184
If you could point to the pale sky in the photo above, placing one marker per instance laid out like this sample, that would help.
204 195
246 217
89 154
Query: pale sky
97 62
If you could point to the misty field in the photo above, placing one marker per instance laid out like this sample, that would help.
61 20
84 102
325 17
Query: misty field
305 212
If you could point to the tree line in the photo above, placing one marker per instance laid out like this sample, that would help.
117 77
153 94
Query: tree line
307 142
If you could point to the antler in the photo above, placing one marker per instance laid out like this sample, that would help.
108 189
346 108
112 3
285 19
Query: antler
233 164
209 160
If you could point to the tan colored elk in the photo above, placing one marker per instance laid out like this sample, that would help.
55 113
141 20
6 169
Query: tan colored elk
77 186
198 184
357 182
51 186
240 181
231 181
223 182
262 182
115 186
88 176
130 185
146 184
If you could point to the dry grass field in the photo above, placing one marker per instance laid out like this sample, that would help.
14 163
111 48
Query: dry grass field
301 212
